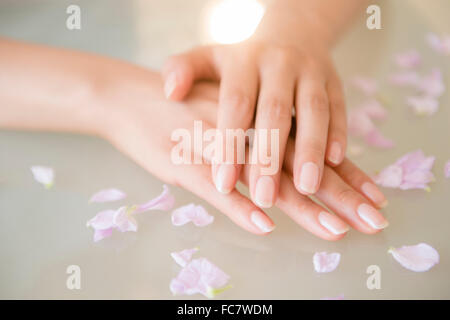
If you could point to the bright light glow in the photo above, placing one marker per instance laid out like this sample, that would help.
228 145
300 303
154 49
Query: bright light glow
232 21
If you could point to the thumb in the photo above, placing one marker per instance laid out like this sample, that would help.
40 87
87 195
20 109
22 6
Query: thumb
181 71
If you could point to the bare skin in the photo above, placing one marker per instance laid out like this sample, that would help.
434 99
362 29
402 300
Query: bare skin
285 63
59 90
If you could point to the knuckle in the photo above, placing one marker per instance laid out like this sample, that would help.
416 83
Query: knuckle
238 102
345 195
276 108
318 102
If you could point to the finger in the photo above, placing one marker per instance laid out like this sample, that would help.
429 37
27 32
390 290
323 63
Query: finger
180 71
236 206
237 99
304 211
272 125
337 131
361 182
349 173
350 205
312 111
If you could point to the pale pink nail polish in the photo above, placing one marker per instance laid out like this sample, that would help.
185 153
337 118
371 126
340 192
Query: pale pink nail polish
170 84
372 217
262 222
265 192
226 175
332 223
309 177
373 193
335 155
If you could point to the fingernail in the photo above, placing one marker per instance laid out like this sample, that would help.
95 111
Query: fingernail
332 223
370 215
170 84
374 194
225 178
309 177
264 192
262 221
335 155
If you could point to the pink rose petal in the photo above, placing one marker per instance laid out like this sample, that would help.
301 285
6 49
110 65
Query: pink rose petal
425 105
164 202
439 44
199 276
108 195
359 123
376 139
409 78
412 171
106 221
123 220
408 59
101 234
184 256
447 169
43 175
191 213
326 262
102 220
366 85
432 85
418 258
374 110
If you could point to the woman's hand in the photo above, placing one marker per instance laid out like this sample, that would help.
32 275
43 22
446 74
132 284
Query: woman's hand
285 64
143 122
79 92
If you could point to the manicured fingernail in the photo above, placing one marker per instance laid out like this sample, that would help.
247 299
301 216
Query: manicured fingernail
374 194
264 192
226 175
371 216
170 84
262 221
335 154
332 223
309 177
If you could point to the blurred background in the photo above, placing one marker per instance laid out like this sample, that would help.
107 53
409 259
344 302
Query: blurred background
42 232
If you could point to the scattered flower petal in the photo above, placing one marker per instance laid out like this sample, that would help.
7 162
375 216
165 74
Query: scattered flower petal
376 139
424 105
326 262
183 257
101 234
368 86
200 276
108 195
43 175
123 220
439 44
447 169
164 202
360 124
191 212
418 258
408 78
412 171
408 59
374 110
432 84
105 221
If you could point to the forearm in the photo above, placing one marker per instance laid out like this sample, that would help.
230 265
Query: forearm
44 88
298 21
